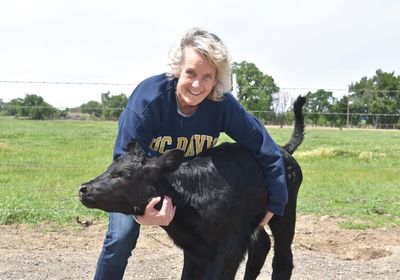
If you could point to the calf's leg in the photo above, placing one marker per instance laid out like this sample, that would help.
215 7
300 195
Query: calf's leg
257 253
193 268
229 255
282 228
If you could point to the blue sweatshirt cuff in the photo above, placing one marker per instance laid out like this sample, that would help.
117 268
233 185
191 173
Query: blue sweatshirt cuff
276 208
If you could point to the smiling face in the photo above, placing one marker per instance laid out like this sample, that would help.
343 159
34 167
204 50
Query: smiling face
196 80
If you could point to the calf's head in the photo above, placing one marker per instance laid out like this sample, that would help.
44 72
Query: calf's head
130 181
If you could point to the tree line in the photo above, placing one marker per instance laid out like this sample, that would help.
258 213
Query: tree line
371 102
34 107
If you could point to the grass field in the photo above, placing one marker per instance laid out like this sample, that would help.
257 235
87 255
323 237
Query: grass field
352 173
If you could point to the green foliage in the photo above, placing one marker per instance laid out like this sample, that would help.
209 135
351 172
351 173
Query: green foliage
33 107
255 89
110 107
318 105
377 95
2 106
113 105
14 106
92 108
36 108
372 102
340 109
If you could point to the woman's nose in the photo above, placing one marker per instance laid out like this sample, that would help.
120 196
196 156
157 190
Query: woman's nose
196 83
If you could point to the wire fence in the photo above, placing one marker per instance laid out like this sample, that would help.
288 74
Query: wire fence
250 111
304 89
269 116
286 93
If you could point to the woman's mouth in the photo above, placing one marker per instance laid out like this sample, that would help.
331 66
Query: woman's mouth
195 93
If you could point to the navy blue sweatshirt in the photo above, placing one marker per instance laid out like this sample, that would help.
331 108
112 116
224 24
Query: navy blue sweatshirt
152 118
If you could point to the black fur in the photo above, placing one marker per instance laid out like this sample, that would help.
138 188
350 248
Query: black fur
220 198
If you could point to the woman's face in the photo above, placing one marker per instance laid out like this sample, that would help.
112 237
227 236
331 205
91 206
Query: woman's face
195 81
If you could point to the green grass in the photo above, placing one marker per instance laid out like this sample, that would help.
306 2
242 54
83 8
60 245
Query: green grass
351 173
42 163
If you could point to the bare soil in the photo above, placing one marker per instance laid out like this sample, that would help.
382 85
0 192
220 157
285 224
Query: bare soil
321 251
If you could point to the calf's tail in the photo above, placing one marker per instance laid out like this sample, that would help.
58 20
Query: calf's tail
298 132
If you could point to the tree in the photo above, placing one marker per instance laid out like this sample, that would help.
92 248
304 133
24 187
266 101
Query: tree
2 105
319 105
92 108
340 108
32 106
14 106
255 89
378 95
282 106
113 105
36 108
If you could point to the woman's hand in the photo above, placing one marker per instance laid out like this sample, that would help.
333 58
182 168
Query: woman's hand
154 217
266 219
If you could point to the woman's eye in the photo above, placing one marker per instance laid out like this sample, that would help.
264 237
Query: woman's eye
208 78
189 73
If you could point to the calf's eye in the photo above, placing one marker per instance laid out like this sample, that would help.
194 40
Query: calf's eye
115 175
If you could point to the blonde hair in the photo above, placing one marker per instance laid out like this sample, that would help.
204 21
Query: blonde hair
212 48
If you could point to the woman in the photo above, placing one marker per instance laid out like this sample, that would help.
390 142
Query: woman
187 108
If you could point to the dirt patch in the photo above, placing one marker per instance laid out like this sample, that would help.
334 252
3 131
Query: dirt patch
321 251
324 235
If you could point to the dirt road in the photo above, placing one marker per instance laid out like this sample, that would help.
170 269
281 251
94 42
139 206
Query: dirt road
321 250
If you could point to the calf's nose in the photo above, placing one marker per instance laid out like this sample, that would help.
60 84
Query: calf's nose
83 189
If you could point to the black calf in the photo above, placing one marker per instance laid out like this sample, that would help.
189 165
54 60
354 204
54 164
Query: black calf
220 198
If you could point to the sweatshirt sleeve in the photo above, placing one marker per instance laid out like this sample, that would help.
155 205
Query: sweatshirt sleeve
137 121
248 131
130 128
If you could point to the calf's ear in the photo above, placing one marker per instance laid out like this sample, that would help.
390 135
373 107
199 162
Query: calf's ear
135 148
170 160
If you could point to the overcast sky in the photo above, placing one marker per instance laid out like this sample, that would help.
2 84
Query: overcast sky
302 44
